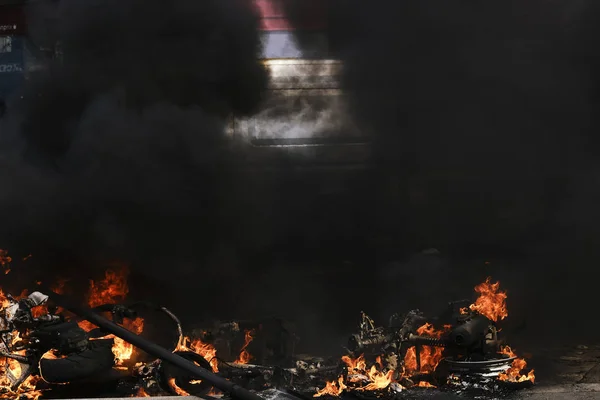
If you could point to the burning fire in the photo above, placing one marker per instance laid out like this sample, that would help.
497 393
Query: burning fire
26 390
177 389
359 372
111 290
355 365
513 374
430 356
491 302
379 380
206 350
4 302
10 371
5 261
245 356
334 388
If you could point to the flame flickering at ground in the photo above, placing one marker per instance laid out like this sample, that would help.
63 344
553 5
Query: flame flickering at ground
206 350
430 356
245 356
379 380
112 290
177 389
12 368
355 365
27 390
357 371
334 388
362 376
491 303
513 374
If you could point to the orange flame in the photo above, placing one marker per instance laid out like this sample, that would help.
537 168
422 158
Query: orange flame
123 350
4 302
177 389
429 330
424 384
378 362
333 388
355 365
491 302
142 393
377 378
206 350
430 356
513 374
111 290
26 390
5 261
245 356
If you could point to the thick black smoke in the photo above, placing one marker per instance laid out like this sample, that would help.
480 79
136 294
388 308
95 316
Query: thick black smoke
481 119
479 114
117 150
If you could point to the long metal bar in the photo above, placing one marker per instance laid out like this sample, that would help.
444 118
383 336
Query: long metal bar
151 348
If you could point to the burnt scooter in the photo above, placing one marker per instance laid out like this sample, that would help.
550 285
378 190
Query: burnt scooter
58 351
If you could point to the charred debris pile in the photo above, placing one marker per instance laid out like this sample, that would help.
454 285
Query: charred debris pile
460 351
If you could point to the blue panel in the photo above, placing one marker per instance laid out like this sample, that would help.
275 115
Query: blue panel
283 44
11 64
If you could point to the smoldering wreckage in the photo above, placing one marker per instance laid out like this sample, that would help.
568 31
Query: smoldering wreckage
52 346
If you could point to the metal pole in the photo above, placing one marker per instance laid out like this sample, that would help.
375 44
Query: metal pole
151 348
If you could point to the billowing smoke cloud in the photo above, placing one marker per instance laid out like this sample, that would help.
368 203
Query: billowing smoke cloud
480 116
118 151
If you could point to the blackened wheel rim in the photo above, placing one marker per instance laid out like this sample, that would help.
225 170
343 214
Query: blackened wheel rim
184 380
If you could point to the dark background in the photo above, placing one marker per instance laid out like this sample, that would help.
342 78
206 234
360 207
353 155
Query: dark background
482 116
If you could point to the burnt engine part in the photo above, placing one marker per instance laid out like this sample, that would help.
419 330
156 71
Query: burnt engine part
273 340
470 333
372 338
471 337
474 338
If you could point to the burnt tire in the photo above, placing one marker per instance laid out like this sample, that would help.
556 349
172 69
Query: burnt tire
184 380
